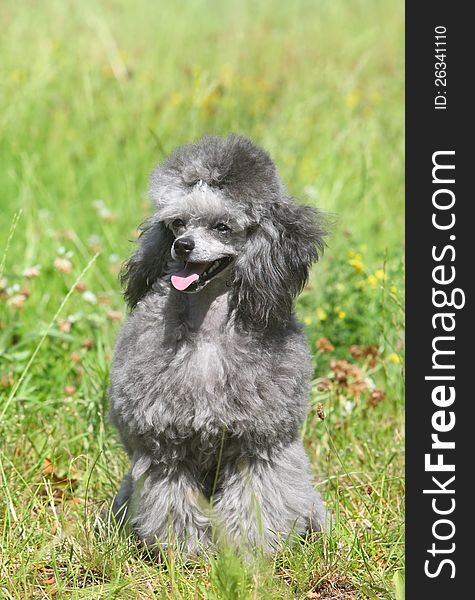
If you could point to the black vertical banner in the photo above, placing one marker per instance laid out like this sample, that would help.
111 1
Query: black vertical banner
440 242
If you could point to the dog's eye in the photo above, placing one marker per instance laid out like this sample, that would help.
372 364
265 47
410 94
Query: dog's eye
222 228
178 223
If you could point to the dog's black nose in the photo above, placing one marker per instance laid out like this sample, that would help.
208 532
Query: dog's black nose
183 246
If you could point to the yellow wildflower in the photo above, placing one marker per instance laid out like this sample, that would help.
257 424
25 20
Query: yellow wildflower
393 289
341 314
372 280
380 274
394 358
357 264
321 314
307 320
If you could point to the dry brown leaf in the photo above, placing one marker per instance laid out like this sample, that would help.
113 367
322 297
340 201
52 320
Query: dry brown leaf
87 343
320 411
324 345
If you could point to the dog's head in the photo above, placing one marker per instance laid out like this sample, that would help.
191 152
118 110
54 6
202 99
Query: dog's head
224 215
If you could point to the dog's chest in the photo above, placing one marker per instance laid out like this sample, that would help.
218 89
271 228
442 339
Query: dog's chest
203 386
172 381
198 369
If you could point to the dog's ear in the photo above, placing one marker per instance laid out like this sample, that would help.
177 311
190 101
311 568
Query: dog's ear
147 263
275 264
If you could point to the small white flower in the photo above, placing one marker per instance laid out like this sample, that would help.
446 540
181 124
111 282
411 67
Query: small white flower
370 383
89 297
348 406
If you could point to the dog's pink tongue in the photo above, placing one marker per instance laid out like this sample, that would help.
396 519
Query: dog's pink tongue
191 273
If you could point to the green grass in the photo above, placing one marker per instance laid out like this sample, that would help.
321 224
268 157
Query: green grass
92 95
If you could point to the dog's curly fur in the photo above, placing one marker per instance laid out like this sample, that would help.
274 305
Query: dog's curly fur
209 388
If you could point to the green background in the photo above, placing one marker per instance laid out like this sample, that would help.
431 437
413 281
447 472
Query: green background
93 95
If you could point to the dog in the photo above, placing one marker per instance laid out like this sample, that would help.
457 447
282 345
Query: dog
211 371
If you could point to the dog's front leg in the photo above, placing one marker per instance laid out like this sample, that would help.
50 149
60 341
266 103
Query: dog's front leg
260 502
120 505
168 508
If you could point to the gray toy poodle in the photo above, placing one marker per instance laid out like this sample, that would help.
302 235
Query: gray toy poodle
210 376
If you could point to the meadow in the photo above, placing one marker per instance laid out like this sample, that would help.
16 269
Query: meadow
93 95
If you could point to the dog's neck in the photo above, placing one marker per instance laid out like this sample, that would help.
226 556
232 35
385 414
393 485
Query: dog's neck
206 311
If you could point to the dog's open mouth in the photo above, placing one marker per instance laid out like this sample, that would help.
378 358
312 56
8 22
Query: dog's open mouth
196 275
